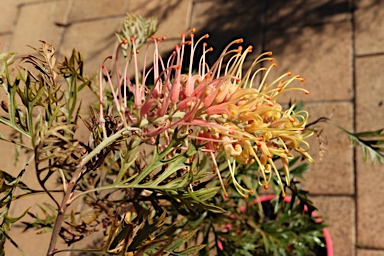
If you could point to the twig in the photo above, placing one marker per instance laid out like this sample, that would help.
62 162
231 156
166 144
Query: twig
61 211
68 194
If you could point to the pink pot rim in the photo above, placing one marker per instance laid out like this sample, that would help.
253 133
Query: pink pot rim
327 236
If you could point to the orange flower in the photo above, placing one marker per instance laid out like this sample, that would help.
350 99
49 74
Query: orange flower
224 105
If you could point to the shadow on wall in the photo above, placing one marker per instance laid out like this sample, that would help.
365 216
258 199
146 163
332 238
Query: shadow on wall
276 25
226 21
306 29
160 9
312 37
267 23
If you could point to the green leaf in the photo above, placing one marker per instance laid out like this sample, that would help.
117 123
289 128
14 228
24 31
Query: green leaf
7 181
158 158
209 207
372 147
126 163
15 219
122 234
183 238
6 60
135 26
146 230
193 250
300 170
202 194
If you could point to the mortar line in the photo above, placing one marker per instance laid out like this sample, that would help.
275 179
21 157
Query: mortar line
333 195
263 26
189 15
372 248
65 23
354 164
14 25
92 19
263 29
367 55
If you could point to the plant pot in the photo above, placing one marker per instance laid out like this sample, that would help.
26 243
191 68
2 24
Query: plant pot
327 236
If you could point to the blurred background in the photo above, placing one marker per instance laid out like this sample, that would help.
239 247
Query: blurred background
336 45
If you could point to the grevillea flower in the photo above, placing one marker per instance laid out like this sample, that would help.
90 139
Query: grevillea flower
224 107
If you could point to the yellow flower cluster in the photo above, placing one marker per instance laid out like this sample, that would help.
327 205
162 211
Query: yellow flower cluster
226 107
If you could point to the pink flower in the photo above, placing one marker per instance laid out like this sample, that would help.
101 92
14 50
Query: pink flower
224 106
220 245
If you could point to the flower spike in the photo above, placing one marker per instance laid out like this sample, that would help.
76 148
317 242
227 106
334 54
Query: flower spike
223 108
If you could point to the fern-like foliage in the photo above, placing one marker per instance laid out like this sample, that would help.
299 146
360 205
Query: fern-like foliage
126 186
371 143
137 28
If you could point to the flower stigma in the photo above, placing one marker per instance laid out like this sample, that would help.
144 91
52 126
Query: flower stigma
224 108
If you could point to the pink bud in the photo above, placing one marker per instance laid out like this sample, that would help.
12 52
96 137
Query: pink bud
220 245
